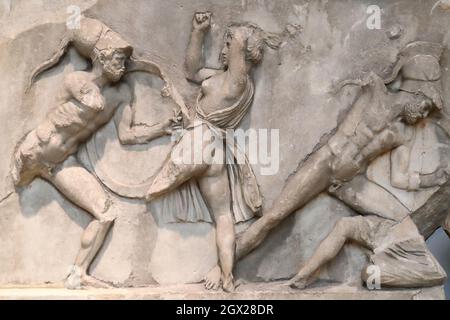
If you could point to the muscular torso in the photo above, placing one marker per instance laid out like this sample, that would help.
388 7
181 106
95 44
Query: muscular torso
372 127
71 122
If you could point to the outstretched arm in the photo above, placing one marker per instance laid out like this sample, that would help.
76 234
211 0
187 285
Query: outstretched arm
131 133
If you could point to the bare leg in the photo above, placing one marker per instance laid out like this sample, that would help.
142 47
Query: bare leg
173 175
180 168
215 183
80 187
364 196
345 229
312 178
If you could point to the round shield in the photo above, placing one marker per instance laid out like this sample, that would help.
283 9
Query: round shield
128 170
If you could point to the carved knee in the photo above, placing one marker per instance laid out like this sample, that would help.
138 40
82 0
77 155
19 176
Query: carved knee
103 212
107 218
344 226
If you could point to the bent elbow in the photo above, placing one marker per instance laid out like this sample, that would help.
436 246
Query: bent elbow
191 76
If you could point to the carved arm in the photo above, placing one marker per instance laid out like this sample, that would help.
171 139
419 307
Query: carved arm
131 133
194 56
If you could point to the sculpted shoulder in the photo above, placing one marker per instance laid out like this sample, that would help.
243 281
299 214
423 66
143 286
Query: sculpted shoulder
80 86
77 79
76 84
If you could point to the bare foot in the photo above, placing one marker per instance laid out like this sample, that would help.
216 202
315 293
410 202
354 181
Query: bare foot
76 280
213 279
90 282
228 283
300 282
73 280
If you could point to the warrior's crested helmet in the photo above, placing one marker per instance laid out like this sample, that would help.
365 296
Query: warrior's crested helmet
418 70
93 37
90 39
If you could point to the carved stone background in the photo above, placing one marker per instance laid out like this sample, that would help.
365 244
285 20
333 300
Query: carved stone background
40 230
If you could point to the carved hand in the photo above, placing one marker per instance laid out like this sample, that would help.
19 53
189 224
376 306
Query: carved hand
174 124
437 178
202 21
441 176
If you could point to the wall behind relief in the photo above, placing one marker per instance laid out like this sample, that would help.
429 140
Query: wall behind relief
41 230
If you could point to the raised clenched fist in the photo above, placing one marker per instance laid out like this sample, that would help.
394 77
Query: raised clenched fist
202 21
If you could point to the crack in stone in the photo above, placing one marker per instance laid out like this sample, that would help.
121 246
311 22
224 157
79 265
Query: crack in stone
6 197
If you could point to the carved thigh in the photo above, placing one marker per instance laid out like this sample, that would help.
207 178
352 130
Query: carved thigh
80 187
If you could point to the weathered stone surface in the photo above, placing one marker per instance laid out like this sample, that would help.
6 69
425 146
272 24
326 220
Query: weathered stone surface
281 255
40 229
251 292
